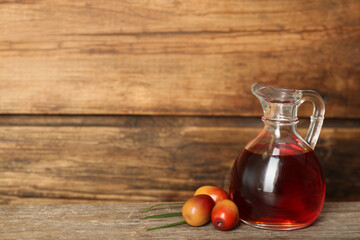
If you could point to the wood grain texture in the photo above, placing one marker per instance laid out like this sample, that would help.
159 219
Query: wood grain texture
175 57
145 158
122 221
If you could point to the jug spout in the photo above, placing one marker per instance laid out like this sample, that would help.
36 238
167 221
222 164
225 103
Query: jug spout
275 94
279 104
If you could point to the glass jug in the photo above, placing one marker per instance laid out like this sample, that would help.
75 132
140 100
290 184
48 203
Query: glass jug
277 181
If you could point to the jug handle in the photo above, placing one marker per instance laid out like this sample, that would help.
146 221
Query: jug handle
317 117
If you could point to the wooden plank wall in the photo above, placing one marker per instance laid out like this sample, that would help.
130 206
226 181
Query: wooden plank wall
147 100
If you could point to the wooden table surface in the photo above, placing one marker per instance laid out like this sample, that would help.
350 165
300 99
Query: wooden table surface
338 220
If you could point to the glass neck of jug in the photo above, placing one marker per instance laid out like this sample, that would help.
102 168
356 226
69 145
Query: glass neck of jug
280 112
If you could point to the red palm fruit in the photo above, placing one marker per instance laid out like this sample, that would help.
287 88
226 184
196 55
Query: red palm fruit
216 193
225 215
197 210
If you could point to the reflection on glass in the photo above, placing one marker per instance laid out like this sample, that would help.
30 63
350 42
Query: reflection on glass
271 174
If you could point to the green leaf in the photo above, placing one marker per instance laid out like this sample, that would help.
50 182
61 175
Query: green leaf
165 215
161 204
